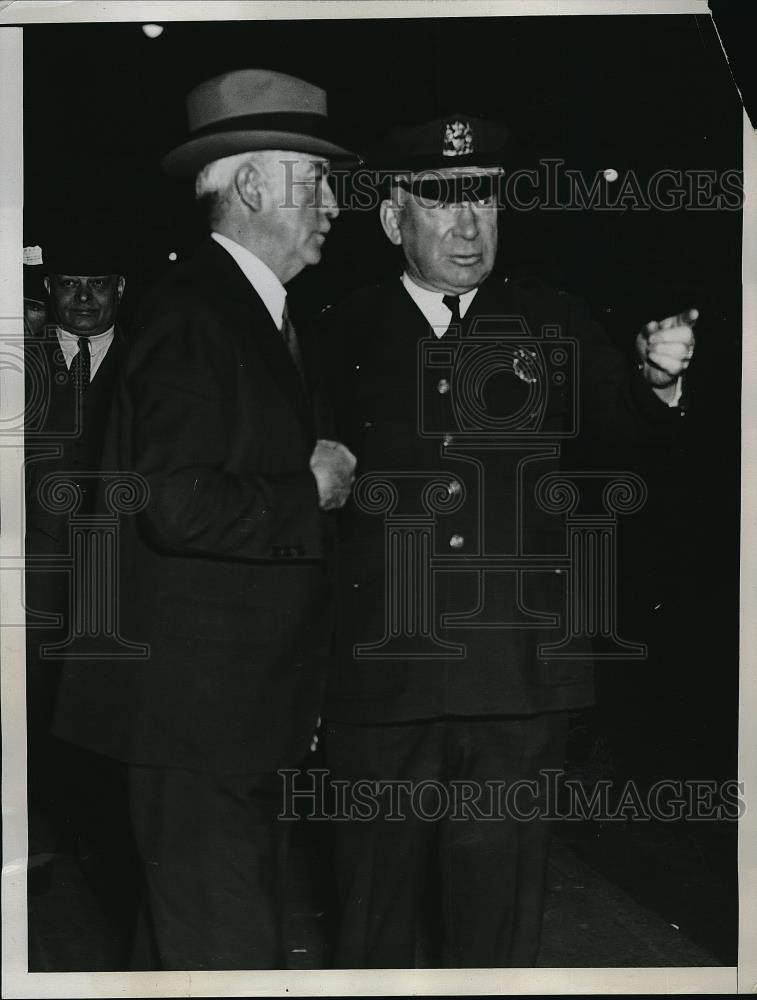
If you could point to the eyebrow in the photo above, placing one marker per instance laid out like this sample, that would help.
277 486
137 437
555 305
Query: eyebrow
84 277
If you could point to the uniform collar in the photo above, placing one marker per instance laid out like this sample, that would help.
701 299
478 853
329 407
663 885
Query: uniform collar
431 305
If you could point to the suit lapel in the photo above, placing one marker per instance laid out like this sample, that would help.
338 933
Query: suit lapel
251 324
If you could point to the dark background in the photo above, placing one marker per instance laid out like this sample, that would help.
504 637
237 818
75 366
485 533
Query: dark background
103 104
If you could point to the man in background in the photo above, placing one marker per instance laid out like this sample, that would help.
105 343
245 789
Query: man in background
73 290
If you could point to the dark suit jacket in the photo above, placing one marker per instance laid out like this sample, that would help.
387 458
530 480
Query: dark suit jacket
394 412
57 438
222 572
60 441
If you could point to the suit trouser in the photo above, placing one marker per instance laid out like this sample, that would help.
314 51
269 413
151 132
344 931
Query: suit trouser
481 880
212 853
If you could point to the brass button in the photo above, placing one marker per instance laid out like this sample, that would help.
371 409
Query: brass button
456 542
442 386
454 488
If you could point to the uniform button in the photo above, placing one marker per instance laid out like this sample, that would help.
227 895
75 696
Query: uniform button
442 385
456 542
447 440
454 488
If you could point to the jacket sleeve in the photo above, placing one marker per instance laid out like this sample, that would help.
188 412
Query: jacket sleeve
615 402
179 433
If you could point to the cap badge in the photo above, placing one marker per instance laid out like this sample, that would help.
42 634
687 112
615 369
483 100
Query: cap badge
458 138
32 255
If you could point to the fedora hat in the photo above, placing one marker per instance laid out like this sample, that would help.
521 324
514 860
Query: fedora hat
253 109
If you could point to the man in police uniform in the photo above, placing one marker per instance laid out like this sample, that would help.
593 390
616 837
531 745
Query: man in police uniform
455 404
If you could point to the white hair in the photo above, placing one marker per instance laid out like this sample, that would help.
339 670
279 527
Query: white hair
214 183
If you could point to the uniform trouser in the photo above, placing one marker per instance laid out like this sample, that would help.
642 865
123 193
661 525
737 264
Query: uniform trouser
442 882
212 854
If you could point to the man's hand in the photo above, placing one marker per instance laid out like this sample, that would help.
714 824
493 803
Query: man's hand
665 350
333 466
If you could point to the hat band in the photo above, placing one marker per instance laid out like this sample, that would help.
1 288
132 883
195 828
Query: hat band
296 122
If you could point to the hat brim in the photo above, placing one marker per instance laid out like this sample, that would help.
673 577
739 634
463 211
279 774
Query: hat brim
192 156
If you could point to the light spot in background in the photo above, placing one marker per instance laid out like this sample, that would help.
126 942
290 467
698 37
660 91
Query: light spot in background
610 175
173 255
153 30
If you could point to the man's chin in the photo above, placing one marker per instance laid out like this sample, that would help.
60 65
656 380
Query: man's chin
84 330
464 278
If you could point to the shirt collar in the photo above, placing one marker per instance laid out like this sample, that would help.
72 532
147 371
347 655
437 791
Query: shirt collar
97 341
431 305
259 275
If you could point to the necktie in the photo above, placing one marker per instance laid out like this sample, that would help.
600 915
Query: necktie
290 339
79 372
452 302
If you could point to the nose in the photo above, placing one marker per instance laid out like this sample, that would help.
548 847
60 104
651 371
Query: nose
466 222
329 205
82 292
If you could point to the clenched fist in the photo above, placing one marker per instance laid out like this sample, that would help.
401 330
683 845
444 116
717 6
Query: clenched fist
665 350
333 466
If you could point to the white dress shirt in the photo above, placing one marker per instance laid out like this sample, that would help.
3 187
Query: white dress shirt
431 305
259 275
98 348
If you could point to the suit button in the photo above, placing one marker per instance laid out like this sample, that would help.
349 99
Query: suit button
447 440
456 542
442 386
454 488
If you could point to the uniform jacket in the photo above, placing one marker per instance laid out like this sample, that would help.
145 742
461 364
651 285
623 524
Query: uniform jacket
482 413
222 571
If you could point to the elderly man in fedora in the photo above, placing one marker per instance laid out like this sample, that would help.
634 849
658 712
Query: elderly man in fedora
224 570
454 388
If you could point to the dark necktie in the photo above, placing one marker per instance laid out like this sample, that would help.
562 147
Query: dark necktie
452 302
79 373
290 339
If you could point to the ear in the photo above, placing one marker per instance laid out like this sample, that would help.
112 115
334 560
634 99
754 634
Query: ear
249 183
390 213
120 286
46 283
